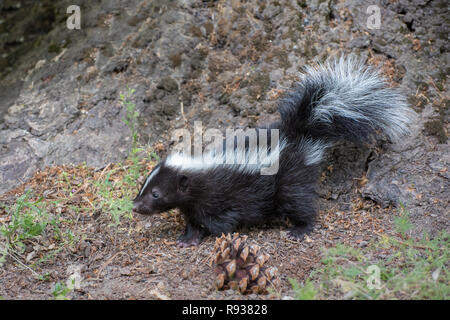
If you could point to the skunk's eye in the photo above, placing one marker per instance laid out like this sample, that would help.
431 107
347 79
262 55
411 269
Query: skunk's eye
155 195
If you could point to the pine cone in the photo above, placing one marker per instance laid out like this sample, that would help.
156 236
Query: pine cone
240 266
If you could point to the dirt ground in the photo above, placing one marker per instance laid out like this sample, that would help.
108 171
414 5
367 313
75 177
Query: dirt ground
139 258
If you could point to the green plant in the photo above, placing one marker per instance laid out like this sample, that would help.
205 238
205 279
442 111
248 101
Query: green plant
119 208
402 222
61 291
30 221
131 114
114 198
114 194
131 120
400 268
307 291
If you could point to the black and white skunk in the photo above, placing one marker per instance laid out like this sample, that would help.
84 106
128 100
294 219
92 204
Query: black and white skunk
341 99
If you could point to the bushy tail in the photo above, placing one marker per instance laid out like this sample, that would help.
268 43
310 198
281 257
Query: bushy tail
344 99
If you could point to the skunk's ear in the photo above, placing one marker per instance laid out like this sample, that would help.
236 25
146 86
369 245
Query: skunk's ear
183 183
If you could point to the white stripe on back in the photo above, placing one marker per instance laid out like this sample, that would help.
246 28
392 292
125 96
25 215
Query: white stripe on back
247 161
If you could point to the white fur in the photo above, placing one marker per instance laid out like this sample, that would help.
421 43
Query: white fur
154 172
246 161
356 91
314 150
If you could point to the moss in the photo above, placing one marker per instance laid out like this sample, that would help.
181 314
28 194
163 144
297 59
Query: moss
54 48
37 43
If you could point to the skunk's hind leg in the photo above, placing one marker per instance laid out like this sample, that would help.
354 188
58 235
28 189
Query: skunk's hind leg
300 229
298 204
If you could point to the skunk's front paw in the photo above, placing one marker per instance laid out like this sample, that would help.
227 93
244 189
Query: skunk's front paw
191 237
184 242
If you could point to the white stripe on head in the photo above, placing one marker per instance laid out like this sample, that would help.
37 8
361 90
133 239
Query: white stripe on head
154 172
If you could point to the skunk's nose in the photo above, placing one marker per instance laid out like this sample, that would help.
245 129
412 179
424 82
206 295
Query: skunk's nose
135 207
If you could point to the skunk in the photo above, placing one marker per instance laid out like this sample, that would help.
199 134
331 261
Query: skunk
341 99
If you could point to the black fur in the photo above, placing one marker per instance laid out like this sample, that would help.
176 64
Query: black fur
221 199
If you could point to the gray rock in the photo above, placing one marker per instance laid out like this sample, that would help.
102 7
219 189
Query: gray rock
359 42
